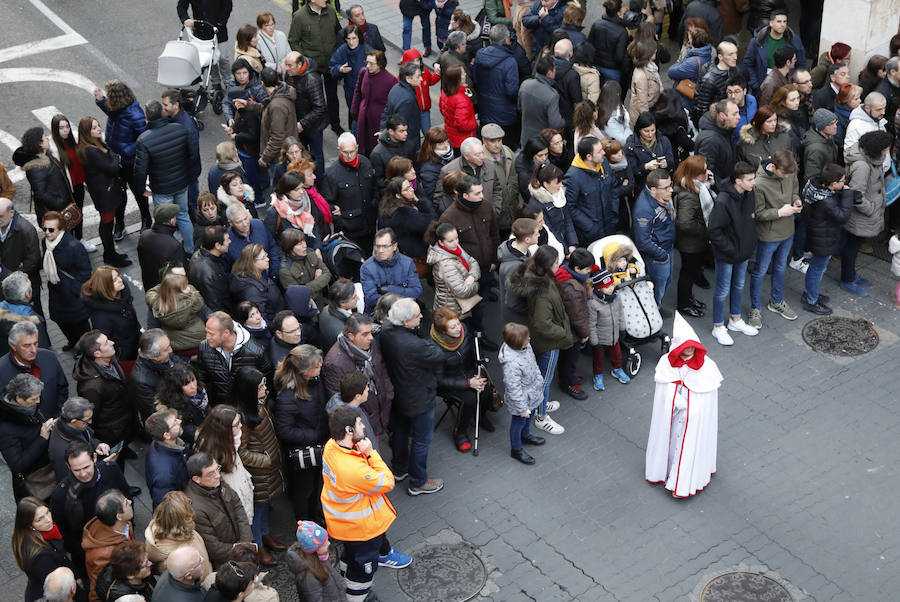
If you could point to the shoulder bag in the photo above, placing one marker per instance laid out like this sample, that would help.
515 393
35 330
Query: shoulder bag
687 87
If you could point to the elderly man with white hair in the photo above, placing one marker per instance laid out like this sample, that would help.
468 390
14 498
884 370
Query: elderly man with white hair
349 185
413 364
245 230
25 357
19 245
59 586
18 305
180 582
472 163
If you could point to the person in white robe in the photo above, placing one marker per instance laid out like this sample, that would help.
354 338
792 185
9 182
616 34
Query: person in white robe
681 449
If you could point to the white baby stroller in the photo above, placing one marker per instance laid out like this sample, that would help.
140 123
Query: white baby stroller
189 61
643 322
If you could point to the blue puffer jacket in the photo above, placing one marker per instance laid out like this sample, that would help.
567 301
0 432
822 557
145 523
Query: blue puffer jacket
755 60
496 75
165 470
356 59
543 28
689 69
123 127
193 139
397 275
654 228
592 197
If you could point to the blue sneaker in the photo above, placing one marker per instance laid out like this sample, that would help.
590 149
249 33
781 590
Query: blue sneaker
395 560
855 288
863 281
620 374
598 383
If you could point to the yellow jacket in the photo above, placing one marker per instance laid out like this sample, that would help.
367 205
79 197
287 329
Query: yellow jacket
354 492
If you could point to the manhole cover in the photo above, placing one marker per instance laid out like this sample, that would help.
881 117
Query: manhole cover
744 587
840 336
450 573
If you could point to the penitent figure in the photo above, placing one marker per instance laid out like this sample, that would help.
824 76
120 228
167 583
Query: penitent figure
681 450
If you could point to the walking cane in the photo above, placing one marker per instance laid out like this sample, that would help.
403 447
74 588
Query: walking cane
478 362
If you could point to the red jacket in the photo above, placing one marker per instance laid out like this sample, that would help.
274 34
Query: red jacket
423 96
459 116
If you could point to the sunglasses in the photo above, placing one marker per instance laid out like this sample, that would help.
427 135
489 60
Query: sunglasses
49 230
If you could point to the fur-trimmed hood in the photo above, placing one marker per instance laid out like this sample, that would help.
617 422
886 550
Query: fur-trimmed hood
544 196
527 284
613 252
749 136
227 199
7 315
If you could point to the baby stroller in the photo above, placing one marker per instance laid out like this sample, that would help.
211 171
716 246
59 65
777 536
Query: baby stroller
643 322
189 61
343 257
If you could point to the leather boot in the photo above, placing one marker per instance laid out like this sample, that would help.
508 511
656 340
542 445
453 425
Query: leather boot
110 255
265 557
143 204
273 544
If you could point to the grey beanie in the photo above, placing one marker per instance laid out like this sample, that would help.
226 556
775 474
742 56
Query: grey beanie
822 117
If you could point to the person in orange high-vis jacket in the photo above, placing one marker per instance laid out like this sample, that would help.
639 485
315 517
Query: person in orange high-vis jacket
355 503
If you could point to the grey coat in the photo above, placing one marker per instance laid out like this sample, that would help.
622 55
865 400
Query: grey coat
539 107
867 176
522 379
487 178
606 320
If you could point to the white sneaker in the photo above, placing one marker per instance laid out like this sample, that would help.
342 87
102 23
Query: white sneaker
549 425
721 335
88 246
552 406
743 327
801 265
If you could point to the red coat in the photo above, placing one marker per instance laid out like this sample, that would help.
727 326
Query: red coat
459 116
423 96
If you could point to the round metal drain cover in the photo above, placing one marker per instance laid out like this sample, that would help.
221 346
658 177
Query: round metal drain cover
451 573
840 336
744 587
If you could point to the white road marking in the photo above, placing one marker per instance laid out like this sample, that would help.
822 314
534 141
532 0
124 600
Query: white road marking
45 115
12 143
69 38
13 75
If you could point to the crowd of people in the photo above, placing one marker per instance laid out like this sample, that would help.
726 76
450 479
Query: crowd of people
304 317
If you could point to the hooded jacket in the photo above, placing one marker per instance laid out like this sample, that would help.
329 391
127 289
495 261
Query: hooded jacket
214 371
732 227
755 59
522 380
48 179
826 211
866 175
605 320
575 295
450 278
423 94
184 325
113 408
547 317
771 193
496 76
98 542
308 585
818 151
592 199
568 84
756 148
157 247
860 123
123 126
279 120
459 115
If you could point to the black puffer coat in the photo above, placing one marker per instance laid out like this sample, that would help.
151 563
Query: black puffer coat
165 153
310 101
716 145
21 445
827 212
74 268
732 225
157 247
208 275
214 372
609 37
114 412
302 422
710 89
101 172
117 319
47 177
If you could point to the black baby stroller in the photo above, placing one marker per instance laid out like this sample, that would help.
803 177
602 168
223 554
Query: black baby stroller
343 257
188 61
643 322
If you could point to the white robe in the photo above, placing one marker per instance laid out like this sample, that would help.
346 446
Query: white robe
681 449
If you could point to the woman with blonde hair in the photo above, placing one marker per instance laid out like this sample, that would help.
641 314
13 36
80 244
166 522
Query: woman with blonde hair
109 301
172 526
177 305
301 424
248 283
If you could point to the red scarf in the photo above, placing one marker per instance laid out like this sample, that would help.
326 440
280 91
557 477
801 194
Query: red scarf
458 253
51 534
321 203
354 164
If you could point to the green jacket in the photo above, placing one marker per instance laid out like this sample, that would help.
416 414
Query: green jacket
496 13
302 270
547 317
771 193
509 187
817 151
184 326
314 35
690 234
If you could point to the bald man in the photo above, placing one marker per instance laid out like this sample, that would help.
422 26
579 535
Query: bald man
59 586
567 82
180 582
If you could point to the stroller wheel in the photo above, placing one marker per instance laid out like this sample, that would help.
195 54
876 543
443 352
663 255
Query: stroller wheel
666 344
200 125
632 364
217 98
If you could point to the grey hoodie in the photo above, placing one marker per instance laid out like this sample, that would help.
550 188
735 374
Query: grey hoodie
522 379
514 307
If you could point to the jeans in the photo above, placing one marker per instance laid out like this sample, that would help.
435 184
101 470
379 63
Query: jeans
777 254
260 524
519 427
729 279
412 458
610 74
660 274
546 362
425 18
313 141
817 266
425 121
185 226
849 251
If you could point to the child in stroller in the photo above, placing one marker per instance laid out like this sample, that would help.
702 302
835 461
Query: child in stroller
619 260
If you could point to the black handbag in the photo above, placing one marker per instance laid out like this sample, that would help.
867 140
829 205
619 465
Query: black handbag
308 457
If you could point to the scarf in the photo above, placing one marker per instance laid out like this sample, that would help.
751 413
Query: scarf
604 297
706 199
362 360
471 205
52 534
321 203
354 164
653 69
297 213
582 278
446 156
446 341
543 195
50 260
458 252
200 400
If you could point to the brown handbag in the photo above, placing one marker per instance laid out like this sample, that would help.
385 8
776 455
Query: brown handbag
687 87
71 215
41 482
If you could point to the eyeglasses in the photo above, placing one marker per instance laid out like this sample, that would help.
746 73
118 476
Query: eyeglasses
387 246
234 567
88 421
803 83
49 230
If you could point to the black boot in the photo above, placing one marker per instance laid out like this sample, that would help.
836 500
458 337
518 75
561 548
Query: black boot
484 422
110 255
143 204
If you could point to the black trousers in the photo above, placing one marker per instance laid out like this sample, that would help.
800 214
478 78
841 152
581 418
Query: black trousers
691 270
74 330
568 360
305 487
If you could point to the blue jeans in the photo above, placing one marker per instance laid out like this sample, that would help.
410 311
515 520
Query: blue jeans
546 362
252 169
425 19
610 74
729 280
313 141
260 524
519 427
817 266
426 121
777 254
412 458
849 251
185 226
660 273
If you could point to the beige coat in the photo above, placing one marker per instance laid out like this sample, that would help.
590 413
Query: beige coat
590 82
450 278
158 551
645 90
